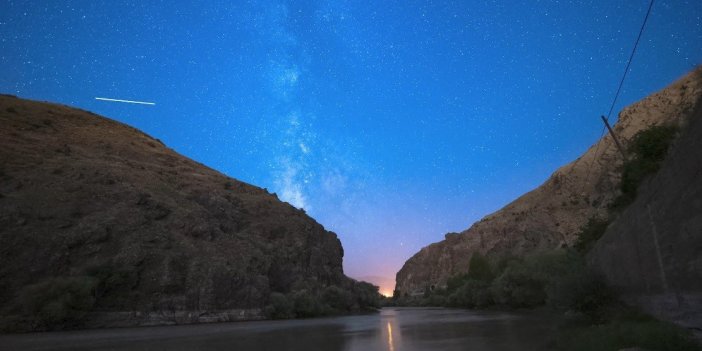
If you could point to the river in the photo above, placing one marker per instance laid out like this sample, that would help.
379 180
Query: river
393 329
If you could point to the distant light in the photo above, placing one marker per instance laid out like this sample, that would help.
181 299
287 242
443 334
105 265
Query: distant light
127 101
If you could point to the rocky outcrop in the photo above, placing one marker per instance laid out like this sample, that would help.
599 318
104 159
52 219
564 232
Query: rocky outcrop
90 203
652 253
551 215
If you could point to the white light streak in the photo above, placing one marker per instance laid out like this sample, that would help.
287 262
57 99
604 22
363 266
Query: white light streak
127 101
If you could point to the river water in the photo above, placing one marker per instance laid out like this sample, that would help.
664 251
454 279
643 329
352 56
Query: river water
393 329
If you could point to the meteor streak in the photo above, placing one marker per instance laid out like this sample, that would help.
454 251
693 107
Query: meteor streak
127 101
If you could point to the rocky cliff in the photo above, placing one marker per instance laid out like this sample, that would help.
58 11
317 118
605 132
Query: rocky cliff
551 215
92 209
652 252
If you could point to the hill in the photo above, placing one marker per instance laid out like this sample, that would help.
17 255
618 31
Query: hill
103 225
552 215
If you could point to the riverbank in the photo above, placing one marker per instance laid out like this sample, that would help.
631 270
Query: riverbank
136 319
139 319
127 319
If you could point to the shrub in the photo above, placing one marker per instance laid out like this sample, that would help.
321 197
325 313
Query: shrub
581 291
648 149
547 265
279 307
435 300
461 289
306 304
519 287
473 293
337 299
651 145
366 295
455 282
504 262
480 268
57 303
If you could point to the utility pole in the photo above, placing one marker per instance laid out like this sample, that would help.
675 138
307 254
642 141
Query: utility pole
616 141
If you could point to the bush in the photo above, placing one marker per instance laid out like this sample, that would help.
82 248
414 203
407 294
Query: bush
435 300
337 299
539 279
648 149
57 303
279 307
473 293
579 290
480 268
472 289
455 282
306 304
547 265
367 296
504 262
519 287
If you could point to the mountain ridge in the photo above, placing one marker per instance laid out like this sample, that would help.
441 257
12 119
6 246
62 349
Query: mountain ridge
551 215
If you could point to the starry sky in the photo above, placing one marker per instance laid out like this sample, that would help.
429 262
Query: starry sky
390 123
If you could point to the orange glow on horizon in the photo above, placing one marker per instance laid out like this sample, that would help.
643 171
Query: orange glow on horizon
387 292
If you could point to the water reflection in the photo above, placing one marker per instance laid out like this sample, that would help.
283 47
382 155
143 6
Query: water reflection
391 344
401 329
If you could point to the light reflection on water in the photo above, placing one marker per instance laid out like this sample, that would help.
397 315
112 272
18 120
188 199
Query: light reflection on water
393 329
391 345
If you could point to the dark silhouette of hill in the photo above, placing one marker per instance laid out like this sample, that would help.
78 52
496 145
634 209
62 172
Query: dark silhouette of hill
101 224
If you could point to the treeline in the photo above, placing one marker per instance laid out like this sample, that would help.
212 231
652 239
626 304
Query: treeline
64 302
355 297
557 278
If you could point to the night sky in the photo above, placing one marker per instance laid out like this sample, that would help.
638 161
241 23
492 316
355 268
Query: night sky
389 123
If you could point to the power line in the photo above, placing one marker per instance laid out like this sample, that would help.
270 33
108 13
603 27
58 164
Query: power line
619 89
631 57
